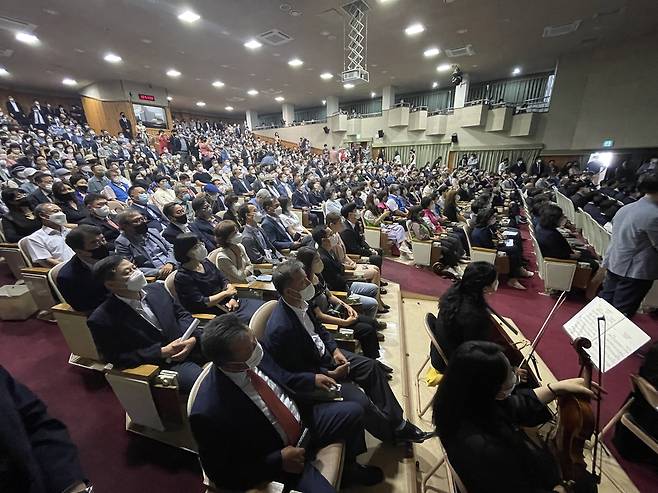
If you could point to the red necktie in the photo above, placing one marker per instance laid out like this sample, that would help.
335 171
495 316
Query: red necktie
283 415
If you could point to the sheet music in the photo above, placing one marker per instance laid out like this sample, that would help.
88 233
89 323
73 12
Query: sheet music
620 335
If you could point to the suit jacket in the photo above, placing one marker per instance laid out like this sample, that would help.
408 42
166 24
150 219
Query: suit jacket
334 271
354 240
38 197
19 115
249 451
37 453
78 286
277 235
482 238
110 233
126 339
171 232
301 199
240 187
290 344
140 256
254 250
206 233
552 244
156 219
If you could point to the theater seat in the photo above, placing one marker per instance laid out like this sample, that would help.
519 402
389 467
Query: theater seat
13 258
259 319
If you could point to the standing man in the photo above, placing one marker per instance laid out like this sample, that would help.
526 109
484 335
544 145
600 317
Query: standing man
15 110
126 126
632 257
38 117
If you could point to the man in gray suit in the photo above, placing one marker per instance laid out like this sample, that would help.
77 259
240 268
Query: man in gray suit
632 257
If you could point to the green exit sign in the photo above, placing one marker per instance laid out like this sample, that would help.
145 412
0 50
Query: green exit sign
608 143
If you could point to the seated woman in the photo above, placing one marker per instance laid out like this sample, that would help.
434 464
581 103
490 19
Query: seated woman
478 416
20 221
329 309
290 220
369 273
332 202
375 215
450 210
201 287
484 236
421 231
231 214
65 198
434 220
232 258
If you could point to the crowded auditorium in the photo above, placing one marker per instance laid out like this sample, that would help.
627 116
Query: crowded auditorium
388 246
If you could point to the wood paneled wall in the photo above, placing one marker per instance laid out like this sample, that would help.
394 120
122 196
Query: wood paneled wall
104 115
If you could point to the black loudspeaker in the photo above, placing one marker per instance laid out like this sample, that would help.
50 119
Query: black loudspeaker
326 129
380 134
454 138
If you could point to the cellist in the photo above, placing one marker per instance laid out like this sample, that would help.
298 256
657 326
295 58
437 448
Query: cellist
478 415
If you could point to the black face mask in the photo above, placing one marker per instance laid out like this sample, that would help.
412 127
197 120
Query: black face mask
141 229
65 196
99 253
82 188
181 219
22 202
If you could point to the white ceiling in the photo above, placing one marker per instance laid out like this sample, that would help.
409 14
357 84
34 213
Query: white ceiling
75 35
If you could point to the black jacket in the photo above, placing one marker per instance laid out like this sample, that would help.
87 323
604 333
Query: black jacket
354 240
109 232
16 226
552 244
78 286
334 271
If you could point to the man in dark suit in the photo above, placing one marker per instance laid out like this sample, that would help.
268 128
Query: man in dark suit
75 280
354 239
141 323
15 110
275 230
257 408
37 452
101 216
126 126
38 117
300 344
538 168
175 213
240 185
258 247
139 198
43 194
203 226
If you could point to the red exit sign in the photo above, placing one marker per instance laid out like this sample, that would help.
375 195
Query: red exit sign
146 97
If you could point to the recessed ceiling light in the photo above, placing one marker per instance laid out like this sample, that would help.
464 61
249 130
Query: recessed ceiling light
173 72
252 92
462 31
372 94
112 58
69 82
169 98
200 103
435 84
4 72
443 67
516 71
218 83
295 62
348 86
431 52
324 101
189 16
413 29
228 108
279 98
326 75
27 38
253 44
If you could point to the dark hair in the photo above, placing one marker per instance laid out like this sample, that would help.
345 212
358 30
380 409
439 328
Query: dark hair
648 183
183 243
105 269
76 178
219 335
425 201
306 255
332 218
475 373
39 176
76 238
10 194
132 188
267 203
230 199
223 232
283 273
243 210
168 208
347 208
90 198
319 233
550 215
414 214
482 218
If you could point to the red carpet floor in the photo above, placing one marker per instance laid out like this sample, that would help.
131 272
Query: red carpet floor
528 309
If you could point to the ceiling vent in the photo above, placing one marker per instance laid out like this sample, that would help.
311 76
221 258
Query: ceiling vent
6 53
235 99
9 24
457 52
554 31
274 37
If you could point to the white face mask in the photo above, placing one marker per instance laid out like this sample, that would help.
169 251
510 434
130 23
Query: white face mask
308 292
333 239
102 211
136 281
235 239
278 211
57 218
199 253
256 357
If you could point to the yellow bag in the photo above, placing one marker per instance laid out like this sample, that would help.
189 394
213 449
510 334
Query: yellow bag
432 377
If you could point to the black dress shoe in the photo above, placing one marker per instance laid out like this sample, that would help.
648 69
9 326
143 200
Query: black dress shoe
411 433
382 310
383 283
381 325
361 475
382 291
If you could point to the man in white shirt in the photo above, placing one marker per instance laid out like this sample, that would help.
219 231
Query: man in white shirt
47 246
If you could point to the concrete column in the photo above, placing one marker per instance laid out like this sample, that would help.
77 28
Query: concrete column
388 97
288 113
332 105
461 92
251 117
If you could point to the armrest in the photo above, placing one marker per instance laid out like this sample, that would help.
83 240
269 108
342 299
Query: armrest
203 316
485 250
559 260
330 327
66 308
340 294
354 257
142 372
262 267
240 285
9 245
35 270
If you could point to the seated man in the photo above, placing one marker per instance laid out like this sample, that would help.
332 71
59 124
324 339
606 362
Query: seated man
139 198
203 225
75 280
177 217
300 344
142 324
276 232
258 247
246 399
145 247
101 216
47 246
354 239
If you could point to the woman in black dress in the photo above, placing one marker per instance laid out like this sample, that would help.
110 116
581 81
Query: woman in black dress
66 199
20 221
201 287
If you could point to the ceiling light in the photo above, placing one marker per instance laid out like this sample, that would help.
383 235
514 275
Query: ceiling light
443 67
253 44
3 72
218 83
435 84
27 38
252 92
189 16
200 103
173 72
414 29
295 62
69 82
326 75
516 71
169 98
348 86
112 58
372 94
228 108
324 102
431 52
279 98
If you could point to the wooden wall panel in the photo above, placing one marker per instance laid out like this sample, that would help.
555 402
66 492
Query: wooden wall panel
104 115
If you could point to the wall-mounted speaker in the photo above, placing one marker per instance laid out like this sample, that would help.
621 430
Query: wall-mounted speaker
326 129
380 134
454 139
